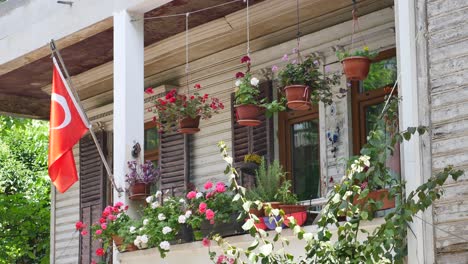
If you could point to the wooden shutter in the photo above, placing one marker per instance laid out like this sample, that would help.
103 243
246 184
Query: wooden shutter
174 163
259 139
93 185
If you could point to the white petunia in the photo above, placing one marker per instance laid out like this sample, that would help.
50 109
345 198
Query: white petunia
145 222
365 159
199 195
238 83
254 81
308 237
137 241
132 229
181 200
188 214
165 245
158 194
155 205
144 239
182 219
161 217
149 199
166 230
278 229
266 249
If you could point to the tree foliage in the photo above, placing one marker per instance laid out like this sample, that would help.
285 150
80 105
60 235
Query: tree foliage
24 191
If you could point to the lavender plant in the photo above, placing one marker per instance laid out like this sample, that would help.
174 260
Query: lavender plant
145 173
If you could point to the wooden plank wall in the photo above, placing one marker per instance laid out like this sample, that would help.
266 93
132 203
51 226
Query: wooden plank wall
448 83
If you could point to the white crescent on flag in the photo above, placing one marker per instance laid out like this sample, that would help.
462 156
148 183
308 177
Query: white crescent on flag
63 103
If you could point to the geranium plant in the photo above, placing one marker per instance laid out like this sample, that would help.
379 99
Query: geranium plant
247 86
356 64
175 107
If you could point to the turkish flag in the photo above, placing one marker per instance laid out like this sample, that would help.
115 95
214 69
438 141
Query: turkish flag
67 125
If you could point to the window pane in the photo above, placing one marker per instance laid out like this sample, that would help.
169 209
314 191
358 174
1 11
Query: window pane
151 139
382 73
305 159
372 114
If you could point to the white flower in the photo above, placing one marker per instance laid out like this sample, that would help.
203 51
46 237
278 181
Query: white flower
165 245
141 229
161 217
238 83
181 200
149 199
266 249
137 241
132 229
199 195
308 237
155 205
144 239
145 222
182 219
188 214
166 230
365 159
141 241
254 81
278 229
158 194
231 253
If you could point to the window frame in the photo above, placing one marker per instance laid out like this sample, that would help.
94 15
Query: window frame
151 154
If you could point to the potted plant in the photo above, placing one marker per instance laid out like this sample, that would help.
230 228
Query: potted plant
185 110
251 163
304 83
247 105
213 211
139 178
356 64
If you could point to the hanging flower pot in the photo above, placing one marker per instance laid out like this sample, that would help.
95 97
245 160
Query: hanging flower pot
247 115
356 68
298 97
139 191
189 125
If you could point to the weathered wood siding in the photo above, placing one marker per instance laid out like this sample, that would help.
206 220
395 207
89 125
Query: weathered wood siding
448 84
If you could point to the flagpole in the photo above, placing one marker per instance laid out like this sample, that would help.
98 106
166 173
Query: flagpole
110 175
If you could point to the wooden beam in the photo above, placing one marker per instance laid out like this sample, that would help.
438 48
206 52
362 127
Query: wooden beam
27 107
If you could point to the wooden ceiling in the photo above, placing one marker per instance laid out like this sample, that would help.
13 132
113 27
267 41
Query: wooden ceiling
23 87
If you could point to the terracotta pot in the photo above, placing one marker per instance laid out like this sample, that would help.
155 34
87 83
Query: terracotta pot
139 191
274 205
119 241
356 68
298 97
247 115
255 211
292 208
377 195
189 125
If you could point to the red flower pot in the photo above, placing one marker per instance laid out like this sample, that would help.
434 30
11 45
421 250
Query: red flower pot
119 241
356 68
189 125
139 191
300 218
298 97
292 208
377 195
247 115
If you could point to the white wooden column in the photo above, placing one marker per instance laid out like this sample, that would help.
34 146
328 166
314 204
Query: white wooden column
128 92
413 112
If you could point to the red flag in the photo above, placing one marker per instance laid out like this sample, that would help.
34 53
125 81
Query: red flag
67 125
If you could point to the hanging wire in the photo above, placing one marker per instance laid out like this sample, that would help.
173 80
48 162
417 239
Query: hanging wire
248 29
187 69
298 34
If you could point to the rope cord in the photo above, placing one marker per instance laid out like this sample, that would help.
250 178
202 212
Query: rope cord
187 67
248 29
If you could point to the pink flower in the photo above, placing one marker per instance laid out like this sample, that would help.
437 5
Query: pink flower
295 50
363 185
102 220
98 232
100 252
79 225
84 233
245 59
112 217
93 262
220 187
208 185
149 90
104 226
239 75
119 204
285 57
197 86
274 68
327 68
221 259
294 62
191 195
209 214
202 208
206 242
210 194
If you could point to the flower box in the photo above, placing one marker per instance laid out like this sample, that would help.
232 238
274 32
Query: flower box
119 243
233 227
377 195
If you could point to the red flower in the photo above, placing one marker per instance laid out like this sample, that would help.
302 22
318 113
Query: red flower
112 217
84 233
79 225
172 99
240 75
93 262
102 220
191 195
245 59
192 97
98 232
149 90
126 208
209 214
202 208
154 119
206 242
100 252
221 105
197 86
220 187
169 95
205 96
119 204
104 226
213 106
208 185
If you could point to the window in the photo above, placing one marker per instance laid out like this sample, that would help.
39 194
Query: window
368 99
151 142
300 151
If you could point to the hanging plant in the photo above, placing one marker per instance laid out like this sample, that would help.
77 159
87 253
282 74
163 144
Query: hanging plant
185 111
303 82
356 65
140 178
